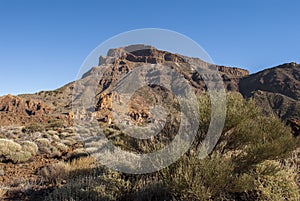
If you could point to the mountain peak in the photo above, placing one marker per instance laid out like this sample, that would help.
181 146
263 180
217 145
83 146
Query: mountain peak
140 53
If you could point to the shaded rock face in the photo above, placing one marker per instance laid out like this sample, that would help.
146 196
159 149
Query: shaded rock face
276 89
283 79
295 125
278 104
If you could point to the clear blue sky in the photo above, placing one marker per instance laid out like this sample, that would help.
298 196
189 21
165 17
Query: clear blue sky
44 42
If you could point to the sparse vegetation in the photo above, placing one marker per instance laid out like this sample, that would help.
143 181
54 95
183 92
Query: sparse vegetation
54 124
30 147
245 165
14 152
251 161
34 127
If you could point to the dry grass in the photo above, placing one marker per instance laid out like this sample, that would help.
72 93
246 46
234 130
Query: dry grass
3 191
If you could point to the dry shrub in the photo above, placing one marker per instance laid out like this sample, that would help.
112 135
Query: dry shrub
12 151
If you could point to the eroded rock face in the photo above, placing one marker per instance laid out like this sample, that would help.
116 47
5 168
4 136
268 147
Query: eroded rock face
233 71
139 53
15 104
17 110
278 104
276 89
122 61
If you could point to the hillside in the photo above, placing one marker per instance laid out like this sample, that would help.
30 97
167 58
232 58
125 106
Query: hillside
276 90
45 155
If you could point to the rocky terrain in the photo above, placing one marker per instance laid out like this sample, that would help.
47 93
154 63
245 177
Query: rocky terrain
275 89
39 127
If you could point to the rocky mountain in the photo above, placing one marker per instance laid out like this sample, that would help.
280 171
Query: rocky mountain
139 60
276 89
283 79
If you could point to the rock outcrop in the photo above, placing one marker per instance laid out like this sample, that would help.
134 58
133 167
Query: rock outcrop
17 110
276 89
18 105
119 62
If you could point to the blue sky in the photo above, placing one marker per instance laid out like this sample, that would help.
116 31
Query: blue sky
44 42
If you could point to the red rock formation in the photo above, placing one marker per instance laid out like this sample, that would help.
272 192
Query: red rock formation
17 110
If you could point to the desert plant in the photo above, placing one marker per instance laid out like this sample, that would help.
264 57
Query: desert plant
49 148
29 146
279 186
61 147
54 124
54 173
88 182
243 165
32 128
12 151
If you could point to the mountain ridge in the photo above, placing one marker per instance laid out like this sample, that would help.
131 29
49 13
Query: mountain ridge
276 89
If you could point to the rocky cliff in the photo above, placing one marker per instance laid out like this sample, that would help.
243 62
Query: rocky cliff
119 62
276 89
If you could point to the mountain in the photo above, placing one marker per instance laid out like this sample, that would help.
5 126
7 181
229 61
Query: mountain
276 89
122 61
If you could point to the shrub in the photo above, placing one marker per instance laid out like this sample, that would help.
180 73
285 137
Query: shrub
243 165
279 186
61 147
87 182
54 173
45 146
30 147
32 128
54 124
12 151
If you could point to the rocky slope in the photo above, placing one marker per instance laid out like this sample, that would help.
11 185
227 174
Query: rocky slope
283 79
14 109
44 120
119 62
276 89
